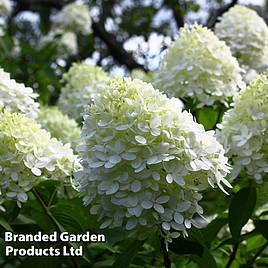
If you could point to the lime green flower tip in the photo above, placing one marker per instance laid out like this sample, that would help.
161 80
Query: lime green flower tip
144 160
246 33
28 155
199 65
244 130
82 83
59 125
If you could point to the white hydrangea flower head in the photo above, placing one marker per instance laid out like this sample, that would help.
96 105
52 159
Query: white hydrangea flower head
145 160
199 65
5 7
244 130
60 126
246 33
68 44
65 42
15 97
82 83
29 155
73 17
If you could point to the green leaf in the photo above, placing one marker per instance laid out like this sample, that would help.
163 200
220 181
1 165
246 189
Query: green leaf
262 227
5 224
241 208
69 222
255 242
199 253
2 246
126 257
212 229
206 260
12 211
184 246
208 117
44 262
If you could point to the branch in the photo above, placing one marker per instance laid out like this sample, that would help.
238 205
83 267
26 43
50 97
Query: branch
176 11
115 47
215 14
232 256
167 262
262 248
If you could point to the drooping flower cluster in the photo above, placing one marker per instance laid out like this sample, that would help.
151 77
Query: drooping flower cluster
144 160
199 65
28 154
16 97
5 7
59 125
82 83
73 17
244 130
246 33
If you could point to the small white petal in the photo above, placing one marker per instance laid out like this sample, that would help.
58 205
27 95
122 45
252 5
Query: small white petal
140 139
36 171
159 208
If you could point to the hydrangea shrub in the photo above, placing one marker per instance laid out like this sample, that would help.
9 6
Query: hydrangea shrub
246 33
244 130
82 83
15 97
144 160
28 155
200 66
59 125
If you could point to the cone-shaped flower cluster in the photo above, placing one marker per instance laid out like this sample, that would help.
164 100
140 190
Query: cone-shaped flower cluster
59 125
73 17
82 83
16 97
246 33
28 155
199 65
144 160
5 7
244 130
